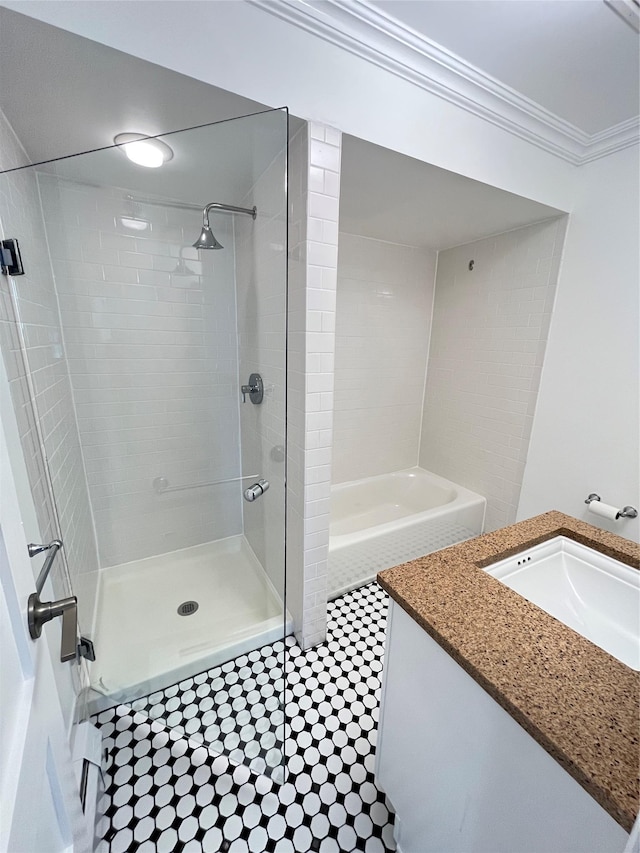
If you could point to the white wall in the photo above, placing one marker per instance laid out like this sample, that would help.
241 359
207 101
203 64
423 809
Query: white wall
241 48
140 343
585 433
488 340
383 320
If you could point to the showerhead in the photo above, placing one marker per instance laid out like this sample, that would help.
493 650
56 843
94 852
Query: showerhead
206 240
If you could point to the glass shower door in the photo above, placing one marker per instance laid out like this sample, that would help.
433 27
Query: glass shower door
157 370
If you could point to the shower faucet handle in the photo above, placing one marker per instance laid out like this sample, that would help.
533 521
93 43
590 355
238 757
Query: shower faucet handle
255 389
41 612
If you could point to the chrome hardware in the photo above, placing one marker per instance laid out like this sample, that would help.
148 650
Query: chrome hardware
625 512
253 492
34 549
10 258
161 484
86 649
628 512
53 546
255 389
188 608
180 205
41 612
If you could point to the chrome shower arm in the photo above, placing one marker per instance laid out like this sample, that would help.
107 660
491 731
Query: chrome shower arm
216 205
180 205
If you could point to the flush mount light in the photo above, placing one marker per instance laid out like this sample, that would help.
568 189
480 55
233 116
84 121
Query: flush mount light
143 150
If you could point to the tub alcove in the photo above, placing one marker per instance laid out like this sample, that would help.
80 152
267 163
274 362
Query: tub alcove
445 288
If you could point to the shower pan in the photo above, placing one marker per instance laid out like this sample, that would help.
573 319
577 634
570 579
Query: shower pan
137 343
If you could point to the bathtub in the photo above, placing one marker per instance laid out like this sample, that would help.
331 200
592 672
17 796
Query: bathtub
386 520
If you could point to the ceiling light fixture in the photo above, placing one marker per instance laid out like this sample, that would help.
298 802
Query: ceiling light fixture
143 150
135 223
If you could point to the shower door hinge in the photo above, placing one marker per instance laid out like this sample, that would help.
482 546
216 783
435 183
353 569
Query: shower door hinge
10 259
86 649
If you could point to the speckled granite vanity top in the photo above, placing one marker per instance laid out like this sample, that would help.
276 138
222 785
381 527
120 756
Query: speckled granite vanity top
578 702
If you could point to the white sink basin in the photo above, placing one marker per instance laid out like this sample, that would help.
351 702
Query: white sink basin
597 596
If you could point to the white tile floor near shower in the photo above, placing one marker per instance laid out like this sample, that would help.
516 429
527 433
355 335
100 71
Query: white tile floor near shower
143 643
168 790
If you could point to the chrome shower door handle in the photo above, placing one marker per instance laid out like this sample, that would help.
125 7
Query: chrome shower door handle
254 492
41 612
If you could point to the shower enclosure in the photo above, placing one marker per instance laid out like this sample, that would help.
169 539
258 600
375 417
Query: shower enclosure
149 373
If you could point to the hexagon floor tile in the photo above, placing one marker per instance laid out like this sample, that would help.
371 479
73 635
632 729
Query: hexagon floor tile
168 788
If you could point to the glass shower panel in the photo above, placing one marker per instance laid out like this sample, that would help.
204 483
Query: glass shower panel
137 367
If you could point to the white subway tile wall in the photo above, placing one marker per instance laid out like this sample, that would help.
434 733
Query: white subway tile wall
36 309
261 270
383 321
314 186
150 335
490 328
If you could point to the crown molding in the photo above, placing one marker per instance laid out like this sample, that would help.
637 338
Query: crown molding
613 139
358 28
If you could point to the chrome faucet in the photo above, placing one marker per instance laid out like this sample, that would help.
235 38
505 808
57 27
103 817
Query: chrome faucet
41 612
255 389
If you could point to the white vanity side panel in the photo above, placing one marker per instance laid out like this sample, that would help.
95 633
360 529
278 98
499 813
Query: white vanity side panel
461 774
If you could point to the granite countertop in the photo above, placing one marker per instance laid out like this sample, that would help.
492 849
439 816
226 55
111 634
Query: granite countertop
577 701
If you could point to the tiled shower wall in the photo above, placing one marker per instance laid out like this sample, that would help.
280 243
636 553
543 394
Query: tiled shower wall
262 322
37 307
152 357
314 169
383 321
490 327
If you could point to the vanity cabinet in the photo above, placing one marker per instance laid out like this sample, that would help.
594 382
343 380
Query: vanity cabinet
462 775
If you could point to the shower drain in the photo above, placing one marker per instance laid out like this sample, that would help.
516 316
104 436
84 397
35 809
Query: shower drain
188 607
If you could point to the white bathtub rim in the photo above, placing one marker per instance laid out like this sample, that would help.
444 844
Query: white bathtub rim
464 499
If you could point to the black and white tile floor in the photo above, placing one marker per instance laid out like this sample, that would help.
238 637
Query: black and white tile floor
167 790
234 709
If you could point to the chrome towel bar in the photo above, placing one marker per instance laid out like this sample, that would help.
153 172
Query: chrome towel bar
161 485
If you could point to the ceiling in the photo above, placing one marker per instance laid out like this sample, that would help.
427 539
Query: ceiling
101 91
576 58
388 196
384 195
